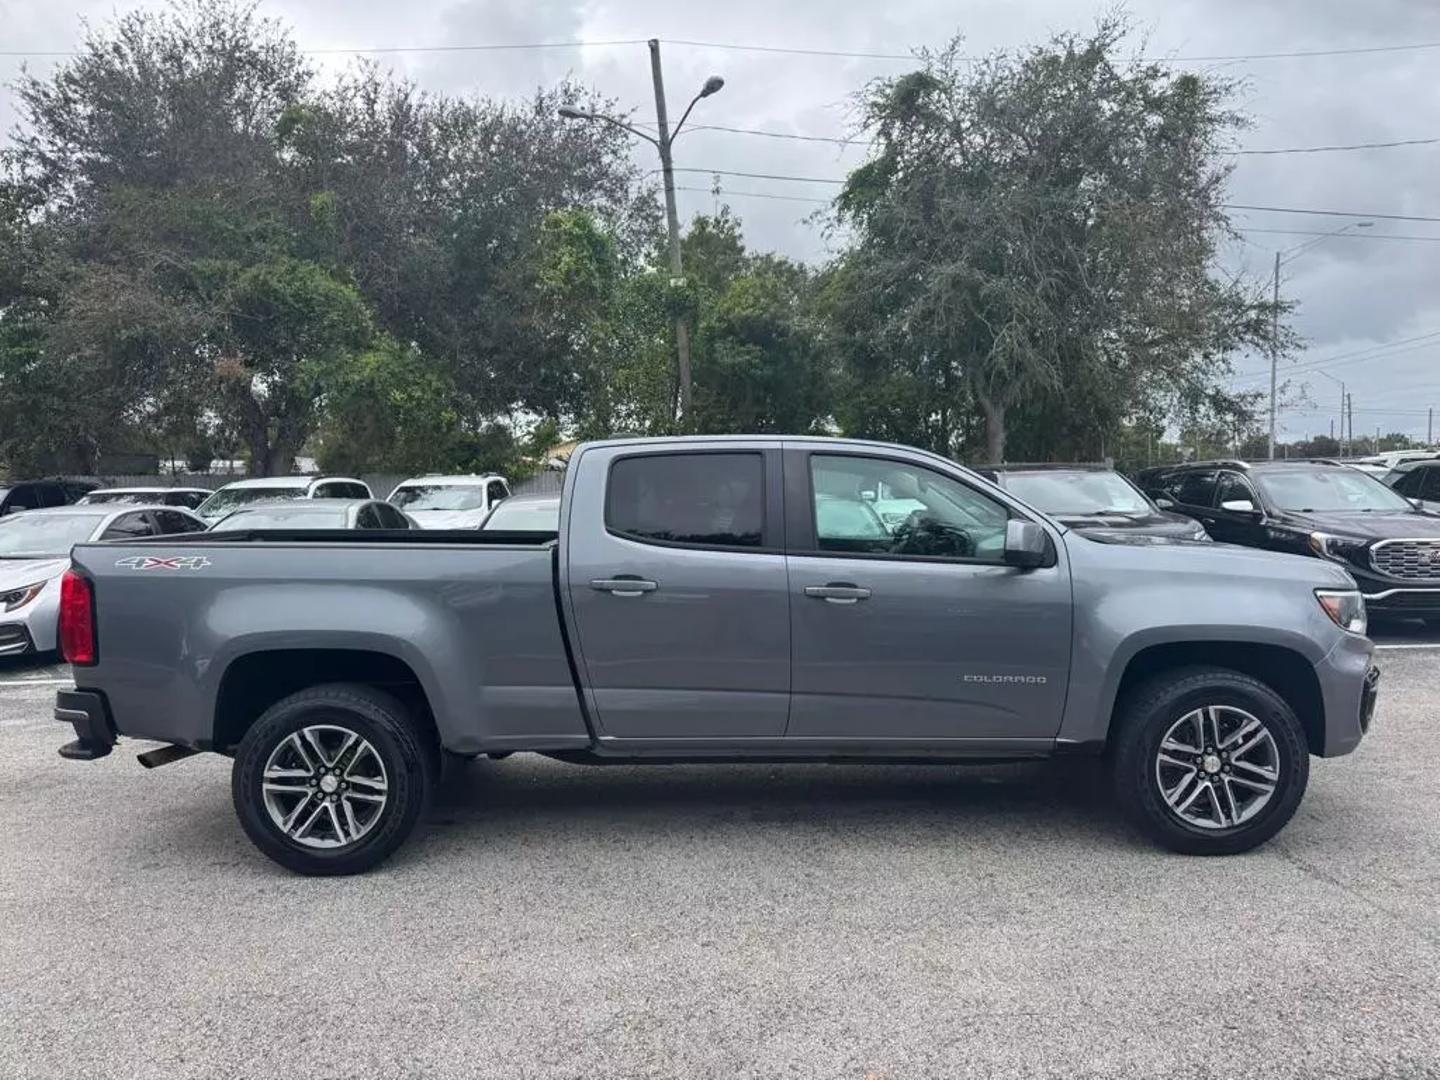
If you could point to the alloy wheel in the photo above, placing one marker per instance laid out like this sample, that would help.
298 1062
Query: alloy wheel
1217 767
325 786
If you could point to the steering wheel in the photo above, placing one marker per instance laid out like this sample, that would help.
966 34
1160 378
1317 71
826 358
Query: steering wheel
923 534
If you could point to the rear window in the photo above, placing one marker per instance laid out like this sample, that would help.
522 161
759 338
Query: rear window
282 517
714 500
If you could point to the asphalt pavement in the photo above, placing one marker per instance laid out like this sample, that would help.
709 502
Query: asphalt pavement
802 921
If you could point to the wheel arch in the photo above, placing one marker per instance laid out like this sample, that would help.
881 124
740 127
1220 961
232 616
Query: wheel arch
1284 670
255 680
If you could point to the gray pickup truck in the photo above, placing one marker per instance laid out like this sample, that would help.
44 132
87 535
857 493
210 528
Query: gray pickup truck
720 599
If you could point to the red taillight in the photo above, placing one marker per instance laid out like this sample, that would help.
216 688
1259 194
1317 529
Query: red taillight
77 619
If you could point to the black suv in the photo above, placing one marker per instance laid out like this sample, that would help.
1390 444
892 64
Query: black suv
1320 508
1091 497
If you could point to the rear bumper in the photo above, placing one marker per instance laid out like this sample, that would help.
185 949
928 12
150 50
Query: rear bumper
88 713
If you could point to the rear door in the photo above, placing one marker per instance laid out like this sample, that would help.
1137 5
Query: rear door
677 586
914 629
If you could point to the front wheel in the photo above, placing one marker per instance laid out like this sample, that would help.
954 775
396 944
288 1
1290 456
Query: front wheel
331 780
1209 761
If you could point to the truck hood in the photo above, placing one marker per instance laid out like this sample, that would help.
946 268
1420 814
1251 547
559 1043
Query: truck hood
1151 524
447 519
1418 523
17 572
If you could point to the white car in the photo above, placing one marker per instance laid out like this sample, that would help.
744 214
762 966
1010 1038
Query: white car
35 551
278 488
449 502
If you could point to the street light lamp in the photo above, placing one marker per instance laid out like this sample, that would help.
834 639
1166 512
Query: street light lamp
1280 260
662 141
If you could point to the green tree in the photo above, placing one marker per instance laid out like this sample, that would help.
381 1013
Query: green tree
1035 240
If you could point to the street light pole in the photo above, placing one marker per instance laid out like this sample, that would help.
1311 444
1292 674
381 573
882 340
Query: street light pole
663 141
1280 259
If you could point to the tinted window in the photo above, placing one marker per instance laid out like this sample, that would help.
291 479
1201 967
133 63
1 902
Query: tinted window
367 518
1234 487
713 499
24 498
129 526
877 507
171 522
1409 484
391 518
187 499
52 495
1430 492
496 490
1194 488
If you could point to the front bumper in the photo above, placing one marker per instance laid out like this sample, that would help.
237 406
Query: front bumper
15 639
1349 685
89 714
1416 602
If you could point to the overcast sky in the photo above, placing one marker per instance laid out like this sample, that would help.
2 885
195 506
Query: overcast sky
1355 294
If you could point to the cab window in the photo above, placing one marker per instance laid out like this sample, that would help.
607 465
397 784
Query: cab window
872 506
707 500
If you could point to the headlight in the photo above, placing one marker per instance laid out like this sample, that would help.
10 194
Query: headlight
1346 608
1344 548
18 598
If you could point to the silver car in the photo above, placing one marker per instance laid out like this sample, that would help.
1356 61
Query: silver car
35 551
315 514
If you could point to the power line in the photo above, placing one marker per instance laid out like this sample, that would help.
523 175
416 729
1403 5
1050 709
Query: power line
791 50
1327 213
1339 146
764 176
1342 236
1382 351
725 192
1297 54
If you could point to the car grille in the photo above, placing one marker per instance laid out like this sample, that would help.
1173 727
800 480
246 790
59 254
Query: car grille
14 639
1412 560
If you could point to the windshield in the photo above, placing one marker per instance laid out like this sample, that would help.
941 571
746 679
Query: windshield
281 517
523 516
125 498
228 499
1329 490
1078 492
414 497
38 535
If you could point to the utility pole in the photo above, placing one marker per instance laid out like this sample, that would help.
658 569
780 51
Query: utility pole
1274 348
663 140
1350 419
1430 428
672 226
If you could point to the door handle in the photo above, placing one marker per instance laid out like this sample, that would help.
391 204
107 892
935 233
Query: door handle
624 585
838 592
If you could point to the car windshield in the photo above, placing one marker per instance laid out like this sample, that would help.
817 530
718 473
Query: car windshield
228 499
526 516
38 535
1078 492
125 498
413 497
282 517
1328 490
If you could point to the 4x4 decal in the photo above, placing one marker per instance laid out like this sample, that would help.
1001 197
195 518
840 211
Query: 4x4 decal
163 562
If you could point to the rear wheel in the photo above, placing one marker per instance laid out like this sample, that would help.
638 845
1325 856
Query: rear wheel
1209 761
331 780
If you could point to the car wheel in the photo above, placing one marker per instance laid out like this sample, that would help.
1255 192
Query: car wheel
331 780
1209 761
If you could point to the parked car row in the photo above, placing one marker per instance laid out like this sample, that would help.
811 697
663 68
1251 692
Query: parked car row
40 521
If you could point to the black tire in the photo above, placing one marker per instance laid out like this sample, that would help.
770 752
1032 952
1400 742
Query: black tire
376 717
1150 710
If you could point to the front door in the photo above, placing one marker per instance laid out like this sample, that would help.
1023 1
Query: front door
1232 525
906 624
679 602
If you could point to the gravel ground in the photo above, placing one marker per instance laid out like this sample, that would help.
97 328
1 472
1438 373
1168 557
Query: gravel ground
721 921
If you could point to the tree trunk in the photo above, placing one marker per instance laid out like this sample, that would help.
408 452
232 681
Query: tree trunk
994 428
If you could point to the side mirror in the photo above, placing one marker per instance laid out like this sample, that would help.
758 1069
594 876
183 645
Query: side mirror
1026 544
1238 506
1419 504
1164 502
